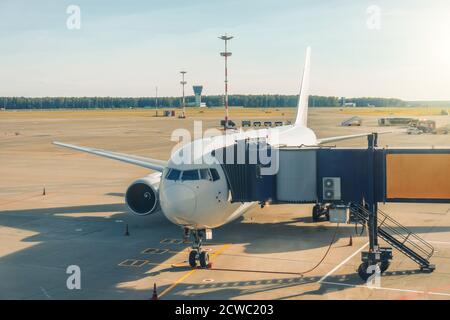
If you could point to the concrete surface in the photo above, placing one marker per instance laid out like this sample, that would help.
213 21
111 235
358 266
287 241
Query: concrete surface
81 221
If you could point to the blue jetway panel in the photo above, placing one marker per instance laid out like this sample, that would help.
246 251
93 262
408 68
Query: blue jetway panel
349 166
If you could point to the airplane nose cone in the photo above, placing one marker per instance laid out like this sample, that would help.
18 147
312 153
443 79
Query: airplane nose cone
178 203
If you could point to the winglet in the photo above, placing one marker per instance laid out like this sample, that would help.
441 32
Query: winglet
302 107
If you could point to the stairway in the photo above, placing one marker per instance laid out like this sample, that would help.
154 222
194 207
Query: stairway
400 237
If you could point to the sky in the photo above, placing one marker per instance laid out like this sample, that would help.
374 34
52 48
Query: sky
359 48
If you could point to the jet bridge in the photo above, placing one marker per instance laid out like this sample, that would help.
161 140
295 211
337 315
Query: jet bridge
356 179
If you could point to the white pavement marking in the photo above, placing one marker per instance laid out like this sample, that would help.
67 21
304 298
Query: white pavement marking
342 263
383 288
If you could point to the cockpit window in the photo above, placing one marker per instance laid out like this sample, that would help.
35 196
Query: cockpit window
190 175
173 174
215 175
205 175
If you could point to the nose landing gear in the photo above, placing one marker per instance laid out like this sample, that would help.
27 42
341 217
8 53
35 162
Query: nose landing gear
197 254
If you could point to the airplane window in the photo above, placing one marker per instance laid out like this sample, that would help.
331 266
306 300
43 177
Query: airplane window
215 174
190 175
205 175
173 174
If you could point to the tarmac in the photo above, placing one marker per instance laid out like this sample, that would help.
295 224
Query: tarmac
267 254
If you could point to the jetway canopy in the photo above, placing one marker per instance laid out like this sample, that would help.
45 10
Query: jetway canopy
310 175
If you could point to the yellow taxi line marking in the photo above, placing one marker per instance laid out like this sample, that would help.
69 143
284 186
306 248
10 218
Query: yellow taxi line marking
177 282
187 275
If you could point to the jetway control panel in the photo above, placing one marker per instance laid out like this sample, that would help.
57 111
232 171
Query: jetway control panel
340 175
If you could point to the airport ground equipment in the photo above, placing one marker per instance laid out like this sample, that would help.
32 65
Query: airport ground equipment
228 124
443 130
248 123
345 184
338 213
422 126
395 121
413 130
353 121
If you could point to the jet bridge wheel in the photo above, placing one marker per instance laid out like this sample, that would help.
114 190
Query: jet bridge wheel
384 266
193 258
316 211
364 274
320 210
362 271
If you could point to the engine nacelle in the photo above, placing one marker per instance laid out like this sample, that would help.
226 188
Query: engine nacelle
142 197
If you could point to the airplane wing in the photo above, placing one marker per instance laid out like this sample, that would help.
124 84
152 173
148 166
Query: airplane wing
352 136
157 165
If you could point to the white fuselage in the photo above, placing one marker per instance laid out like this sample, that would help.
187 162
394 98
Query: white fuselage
194 193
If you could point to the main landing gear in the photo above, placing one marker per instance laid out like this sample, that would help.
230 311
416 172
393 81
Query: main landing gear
197 254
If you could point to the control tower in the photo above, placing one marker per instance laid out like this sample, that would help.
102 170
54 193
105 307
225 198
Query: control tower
198 95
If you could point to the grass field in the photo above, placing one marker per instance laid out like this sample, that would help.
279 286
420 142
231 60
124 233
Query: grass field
237 112
416 111
114 113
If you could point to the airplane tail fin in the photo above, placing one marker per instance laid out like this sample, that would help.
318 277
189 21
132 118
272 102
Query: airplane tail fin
302 107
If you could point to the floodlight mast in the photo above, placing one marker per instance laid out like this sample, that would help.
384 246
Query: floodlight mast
226 54
183 83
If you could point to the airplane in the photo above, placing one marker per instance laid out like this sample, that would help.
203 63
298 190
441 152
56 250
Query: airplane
195 195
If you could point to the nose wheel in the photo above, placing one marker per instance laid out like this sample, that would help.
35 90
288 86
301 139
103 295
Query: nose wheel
197 255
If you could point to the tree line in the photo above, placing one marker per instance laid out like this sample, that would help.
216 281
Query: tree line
249 101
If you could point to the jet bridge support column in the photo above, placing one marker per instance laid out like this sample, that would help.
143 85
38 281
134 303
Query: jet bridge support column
370 200
377 259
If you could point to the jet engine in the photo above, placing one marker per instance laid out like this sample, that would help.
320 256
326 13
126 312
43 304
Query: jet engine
142 196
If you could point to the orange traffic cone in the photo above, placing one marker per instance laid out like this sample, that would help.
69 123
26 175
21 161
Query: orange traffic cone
155 294
43 192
